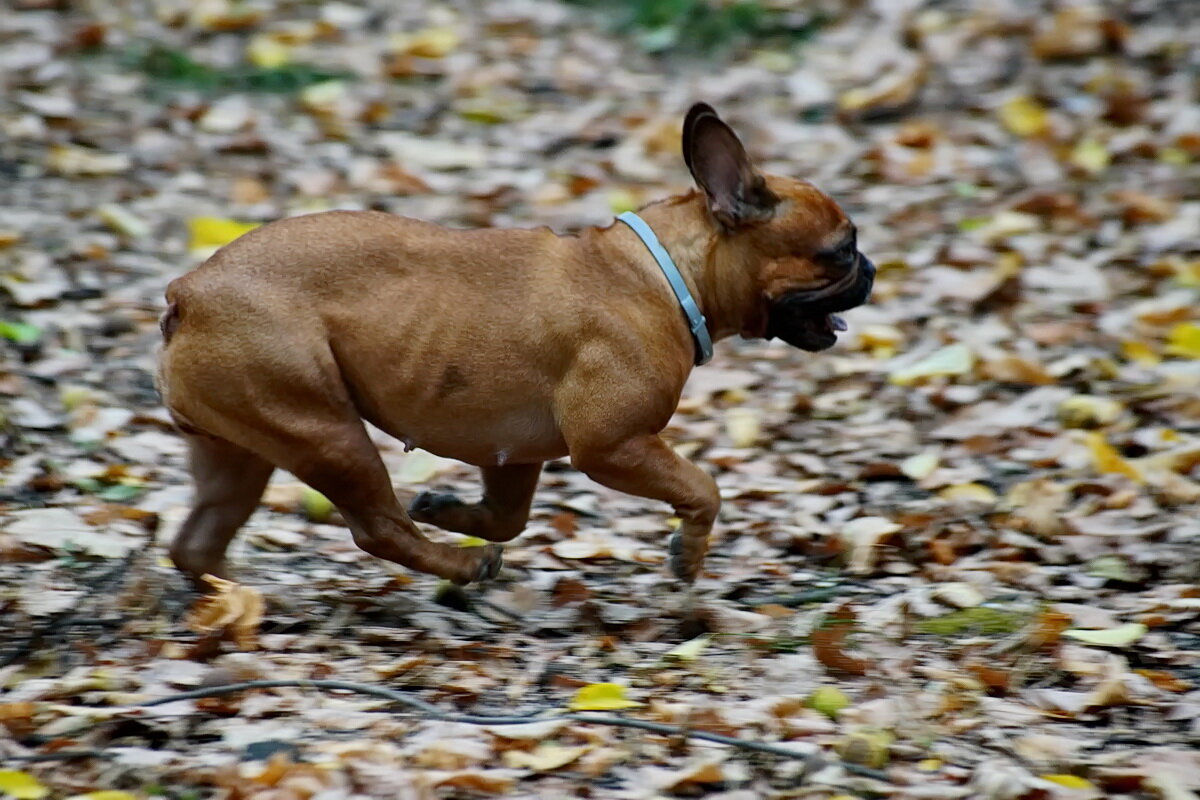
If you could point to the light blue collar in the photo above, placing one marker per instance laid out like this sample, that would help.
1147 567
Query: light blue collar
695 319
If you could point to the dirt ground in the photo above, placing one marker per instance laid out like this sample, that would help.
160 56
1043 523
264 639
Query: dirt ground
959 554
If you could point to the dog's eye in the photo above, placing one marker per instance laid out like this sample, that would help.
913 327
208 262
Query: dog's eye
843 257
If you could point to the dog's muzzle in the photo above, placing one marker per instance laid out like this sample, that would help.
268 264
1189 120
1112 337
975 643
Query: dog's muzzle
808 319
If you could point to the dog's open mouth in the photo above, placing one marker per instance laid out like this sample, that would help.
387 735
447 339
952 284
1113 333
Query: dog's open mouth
808 320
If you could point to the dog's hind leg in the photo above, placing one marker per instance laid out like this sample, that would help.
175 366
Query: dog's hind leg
336 457
295 413
229 481
499 517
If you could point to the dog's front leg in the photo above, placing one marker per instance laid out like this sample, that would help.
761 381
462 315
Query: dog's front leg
646 466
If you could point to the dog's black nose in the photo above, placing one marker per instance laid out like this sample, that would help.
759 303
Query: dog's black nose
865 264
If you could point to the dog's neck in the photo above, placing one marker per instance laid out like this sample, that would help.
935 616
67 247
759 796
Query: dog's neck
718 274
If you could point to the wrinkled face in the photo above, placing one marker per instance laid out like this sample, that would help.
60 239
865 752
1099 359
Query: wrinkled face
807 265
813 269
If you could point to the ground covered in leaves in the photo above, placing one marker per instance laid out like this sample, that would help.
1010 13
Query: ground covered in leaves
958 555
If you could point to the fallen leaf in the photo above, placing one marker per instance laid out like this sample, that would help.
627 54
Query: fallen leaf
1091 156
210 232
428 43
1106 459
21 785
920 465
862 536
545 757
742 426
829 642
1123 636
602 697
232 609
691 649
1086 411
1070 781
1024 116
1184 340
955 359
266 51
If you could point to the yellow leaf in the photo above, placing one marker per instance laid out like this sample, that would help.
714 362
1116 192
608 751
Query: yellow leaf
472 541
1107 460
602 697
210 232
1184 340
921 465
955 359
122 220
1140 353
1024 116
622 200
545 757
1091 156
929 764
1112 637
742 426
1070 781
429 43
21 785
1088 411
267 52
968 493
690 650
1175 156
323 96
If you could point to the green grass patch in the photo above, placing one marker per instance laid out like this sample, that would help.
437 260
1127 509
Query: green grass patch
980 621
175 68
703 26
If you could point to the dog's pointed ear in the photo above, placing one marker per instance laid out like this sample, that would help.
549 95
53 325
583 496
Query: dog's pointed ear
737 192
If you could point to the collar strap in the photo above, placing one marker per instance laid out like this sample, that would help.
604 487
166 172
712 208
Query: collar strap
695 319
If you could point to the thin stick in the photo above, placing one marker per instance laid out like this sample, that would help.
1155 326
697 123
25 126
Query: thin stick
434 712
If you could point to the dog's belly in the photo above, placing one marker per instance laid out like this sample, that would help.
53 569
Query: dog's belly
475 435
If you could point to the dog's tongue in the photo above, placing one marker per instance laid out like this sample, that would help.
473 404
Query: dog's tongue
835 322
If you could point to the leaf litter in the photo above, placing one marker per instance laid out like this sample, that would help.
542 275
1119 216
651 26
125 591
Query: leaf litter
957 555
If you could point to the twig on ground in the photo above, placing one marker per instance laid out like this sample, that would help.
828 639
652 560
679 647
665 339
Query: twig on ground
434 712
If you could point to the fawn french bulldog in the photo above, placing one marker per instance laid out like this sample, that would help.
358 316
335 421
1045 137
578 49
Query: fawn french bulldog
499 348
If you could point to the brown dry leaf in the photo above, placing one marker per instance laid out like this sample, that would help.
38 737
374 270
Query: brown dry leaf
1038 506
694 776
1112 690
888 94
829 642
232 611
1047 629
18 717
487 781
1071 32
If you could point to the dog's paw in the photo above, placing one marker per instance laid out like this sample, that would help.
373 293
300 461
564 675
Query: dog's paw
685 556
428 505
490 564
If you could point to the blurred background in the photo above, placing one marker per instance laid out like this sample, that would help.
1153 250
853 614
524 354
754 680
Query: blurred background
1017 410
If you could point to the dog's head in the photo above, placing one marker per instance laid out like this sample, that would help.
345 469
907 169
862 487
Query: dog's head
804 256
